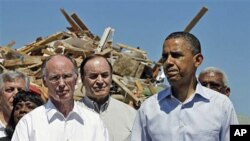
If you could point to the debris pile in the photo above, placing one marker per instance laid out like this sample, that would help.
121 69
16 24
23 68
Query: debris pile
133 77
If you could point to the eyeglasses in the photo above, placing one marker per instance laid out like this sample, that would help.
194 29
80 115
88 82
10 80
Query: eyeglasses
65 77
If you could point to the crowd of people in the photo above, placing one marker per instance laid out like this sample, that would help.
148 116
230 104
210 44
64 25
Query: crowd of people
179 112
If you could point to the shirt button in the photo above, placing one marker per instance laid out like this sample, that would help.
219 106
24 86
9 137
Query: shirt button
181 124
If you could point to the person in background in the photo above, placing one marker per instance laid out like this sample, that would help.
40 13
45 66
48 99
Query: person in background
183 111
10 83
215 79
23 103
60 118
96 76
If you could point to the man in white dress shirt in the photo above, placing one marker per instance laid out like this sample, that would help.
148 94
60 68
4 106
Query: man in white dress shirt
61 118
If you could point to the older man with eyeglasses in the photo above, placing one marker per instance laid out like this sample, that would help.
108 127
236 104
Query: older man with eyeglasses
61 118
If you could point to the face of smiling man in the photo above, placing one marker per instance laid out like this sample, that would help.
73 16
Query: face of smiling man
97 79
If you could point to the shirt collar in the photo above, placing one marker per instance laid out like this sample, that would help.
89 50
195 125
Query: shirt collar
94 105
1 124
164 93
200 91
167 93
54 114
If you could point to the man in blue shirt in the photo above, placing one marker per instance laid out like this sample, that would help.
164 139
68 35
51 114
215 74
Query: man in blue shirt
186 111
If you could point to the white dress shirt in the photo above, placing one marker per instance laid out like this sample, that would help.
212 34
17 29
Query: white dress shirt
2 130
46 123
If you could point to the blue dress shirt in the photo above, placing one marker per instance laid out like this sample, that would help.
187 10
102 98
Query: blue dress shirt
205 116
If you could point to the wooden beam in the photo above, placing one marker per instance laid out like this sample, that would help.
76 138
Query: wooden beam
71 22
81 24
131 48
196 19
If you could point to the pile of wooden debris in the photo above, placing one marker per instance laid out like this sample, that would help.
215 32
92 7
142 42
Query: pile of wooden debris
133 77
132 72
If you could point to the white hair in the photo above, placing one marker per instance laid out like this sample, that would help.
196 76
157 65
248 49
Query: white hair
216 70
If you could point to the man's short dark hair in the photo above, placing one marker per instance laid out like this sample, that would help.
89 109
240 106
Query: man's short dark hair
193 41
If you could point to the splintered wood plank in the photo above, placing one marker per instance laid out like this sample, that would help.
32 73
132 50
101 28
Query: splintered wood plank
73 49
152 88
47 52
105 51
139 85
135 99
41 44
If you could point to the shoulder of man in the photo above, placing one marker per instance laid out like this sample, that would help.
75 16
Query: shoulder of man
157 97
121 104
85 108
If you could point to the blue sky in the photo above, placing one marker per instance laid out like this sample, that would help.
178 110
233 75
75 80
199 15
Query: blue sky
224 31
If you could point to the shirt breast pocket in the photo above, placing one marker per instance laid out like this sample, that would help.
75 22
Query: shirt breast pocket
207 136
